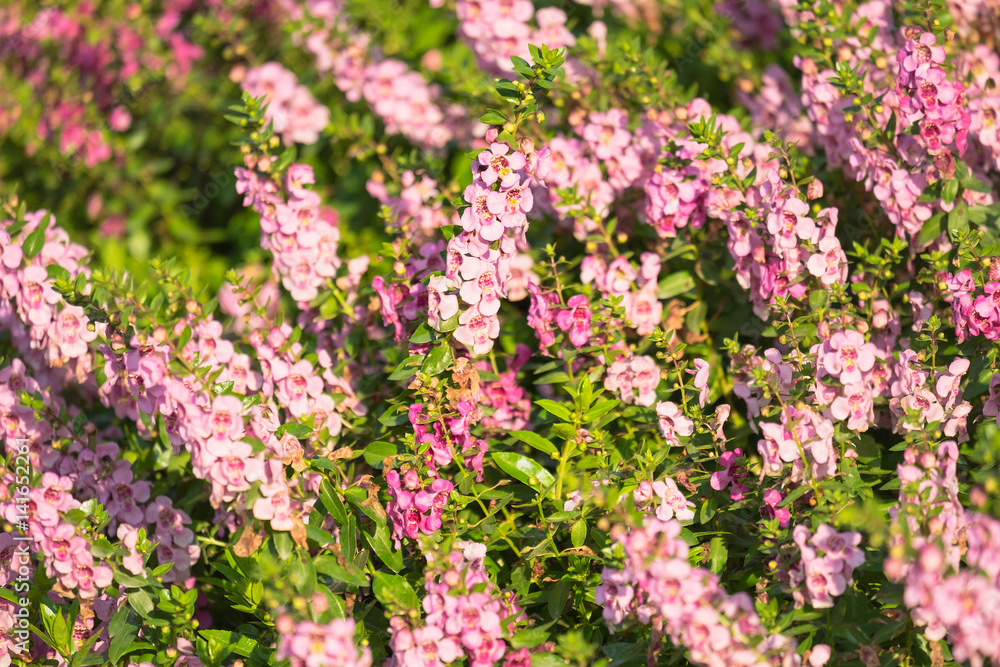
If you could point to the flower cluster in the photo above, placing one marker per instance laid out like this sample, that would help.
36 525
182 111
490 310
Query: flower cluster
465 615
400 96
928 98
634 379
306 644
826 565
499 198
672 503
300 233
660 587
292 110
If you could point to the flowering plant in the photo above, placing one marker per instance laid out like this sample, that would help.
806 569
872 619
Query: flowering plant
565 335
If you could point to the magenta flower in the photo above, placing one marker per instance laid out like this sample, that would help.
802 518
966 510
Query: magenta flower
732 473
576 320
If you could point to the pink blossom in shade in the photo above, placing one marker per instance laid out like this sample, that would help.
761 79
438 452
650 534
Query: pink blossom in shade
275 506
483 289
170 523
992 406
819 656
607 133
634 380
770 509
441 306
70 330
387 303
673 504
700 373
36 296
847 356
644 311
619 379
429 647
477 330
919 56
615 594
619 277
63 548
732 473
842 546
127 495
854 406
573 501
57 492
296 384
673 423
497 165
576 320
225 420
791 223
830 263
88 578
232 467
308 644
132 560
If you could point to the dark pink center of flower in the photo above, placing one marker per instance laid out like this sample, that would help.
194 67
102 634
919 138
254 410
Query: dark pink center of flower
922 54
34 294
500 165
297 384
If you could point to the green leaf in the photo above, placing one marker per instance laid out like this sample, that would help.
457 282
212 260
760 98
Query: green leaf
523 469
950 191
931 229
141 602
529 638
184 339
378 451
326 564
718 553
380 543
558 597
331 501
493 117
675 284
533 439
797 493
123 630
438 360
423 334
294 429
394 592
579 533
546 660
557 409
600 409
35 241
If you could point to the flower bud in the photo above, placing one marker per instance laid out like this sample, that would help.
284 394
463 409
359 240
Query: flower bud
815 189
993 274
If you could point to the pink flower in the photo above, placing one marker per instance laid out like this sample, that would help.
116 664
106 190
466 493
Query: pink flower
700 373
673 423
733 472
497 165
477 330
576 320
847 356
296 384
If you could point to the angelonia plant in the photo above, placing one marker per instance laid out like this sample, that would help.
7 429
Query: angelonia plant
515 334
